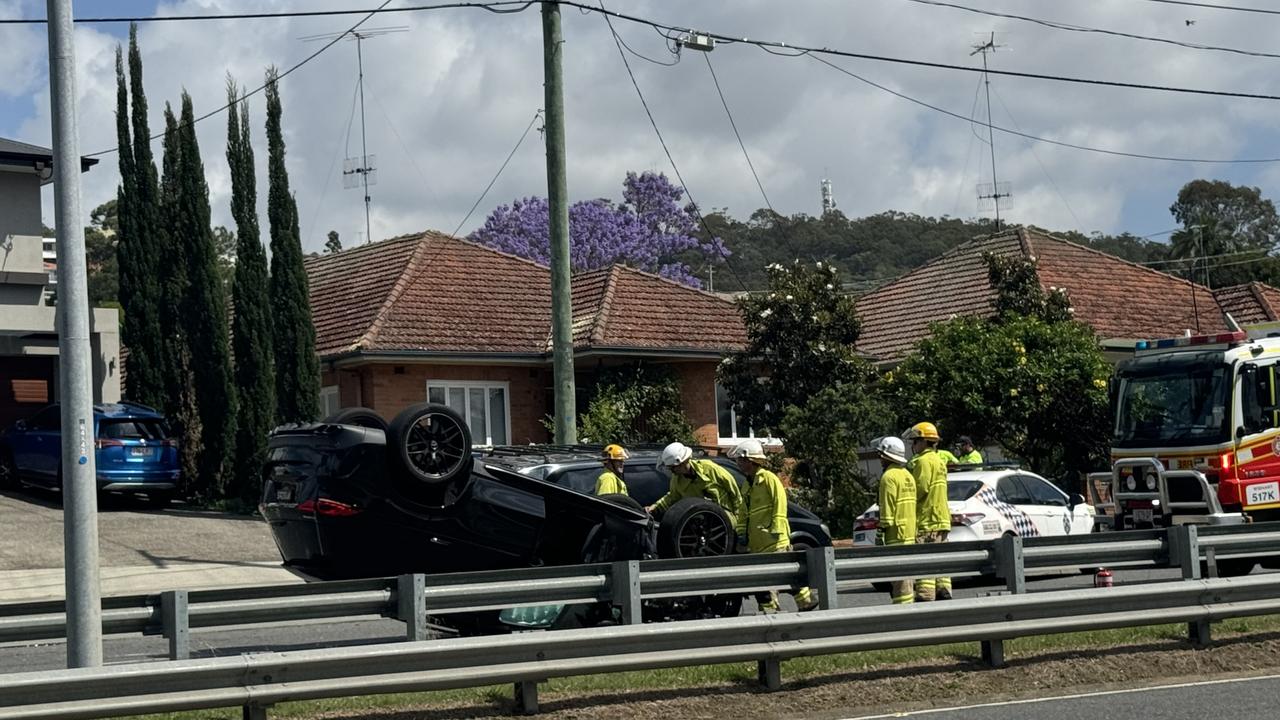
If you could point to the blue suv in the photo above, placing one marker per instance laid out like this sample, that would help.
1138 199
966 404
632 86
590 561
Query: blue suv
134 450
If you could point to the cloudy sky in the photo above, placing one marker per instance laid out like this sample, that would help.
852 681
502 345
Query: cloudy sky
447 99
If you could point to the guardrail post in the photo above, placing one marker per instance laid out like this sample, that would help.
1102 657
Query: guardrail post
769 672
820 563
624 590
526 697
175 623
1009 566
993 653
1184 550
254 712
411 605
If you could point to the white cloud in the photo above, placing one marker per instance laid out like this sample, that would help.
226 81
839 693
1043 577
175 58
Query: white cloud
446 101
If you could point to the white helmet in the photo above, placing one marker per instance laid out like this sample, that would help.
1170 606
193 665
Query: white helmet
749 449
892 449
674 454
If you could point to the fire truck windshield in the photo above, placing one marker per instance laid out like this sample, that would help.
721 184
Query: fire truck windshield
1176 400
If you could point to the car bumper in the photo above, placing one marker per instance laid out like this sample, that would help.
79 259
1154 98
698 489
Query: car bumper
134 481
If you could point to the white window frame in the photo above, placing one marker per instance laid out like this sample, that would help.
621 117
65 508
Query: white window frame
736 437
330 400
487 385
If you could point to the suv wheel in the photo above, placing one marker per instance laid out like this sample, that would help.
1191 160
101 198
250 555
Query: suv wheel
432 444
695 527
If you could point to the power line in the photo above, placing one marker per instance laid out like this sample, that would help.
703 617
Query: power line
711 238
1060 143
498 174
1032 147
1210 6
803 50
1198 258
1099 31
275 78
495 7
513 6
736 134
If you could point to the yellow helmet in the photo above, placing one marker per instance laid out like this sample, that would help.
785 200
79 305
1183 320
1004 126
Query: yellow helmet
923 430
615 452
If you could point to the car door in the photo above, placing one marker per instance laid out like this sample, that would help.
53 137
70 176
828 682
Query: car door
1048 507
40 450
1014 504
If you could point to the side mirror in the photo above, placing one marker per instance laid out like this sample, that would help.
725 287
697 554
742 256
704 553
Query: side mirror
1076 499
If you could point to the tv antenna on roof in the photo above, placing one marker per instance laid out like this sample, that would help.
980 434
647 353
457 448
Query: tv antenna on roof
360 171
996 190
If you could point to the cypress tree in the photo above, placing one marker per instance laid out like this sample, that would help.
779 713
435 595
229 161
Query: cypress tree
204 310
251 322
140 235
297 367
180 401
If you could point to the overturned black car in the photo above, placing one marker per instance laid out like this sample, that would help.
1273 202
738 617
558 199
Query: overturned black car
356 497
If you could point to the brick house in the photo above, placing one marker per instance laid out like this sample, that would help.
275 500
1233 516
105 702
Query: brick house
433 317
1124 302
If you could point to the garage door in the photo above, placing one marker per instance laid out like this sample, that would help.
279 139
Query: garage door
26 385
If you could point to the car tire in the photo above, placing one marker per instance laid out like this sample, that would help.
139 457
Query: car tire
8 471
431 444
358 416
694 527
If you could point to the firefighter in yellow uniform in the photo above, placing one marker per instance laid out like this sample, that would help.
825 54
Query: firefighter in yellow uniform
768 530
703 479
897 496
610 481
969 455
933 515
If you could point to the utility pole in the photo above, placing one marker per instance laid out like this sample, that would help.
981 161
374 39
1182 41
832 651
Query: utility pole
566 424
75 358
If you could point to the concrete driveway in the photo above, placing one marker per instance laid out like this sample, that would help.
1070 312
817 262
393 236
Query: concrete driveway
141 549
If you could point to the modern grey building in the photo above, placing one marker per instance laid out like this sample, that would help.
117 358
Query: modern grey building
28 334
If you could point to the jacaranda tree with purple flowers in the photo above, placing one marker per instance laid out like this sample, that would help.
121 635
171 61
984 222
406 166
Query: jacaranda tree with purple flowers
649 230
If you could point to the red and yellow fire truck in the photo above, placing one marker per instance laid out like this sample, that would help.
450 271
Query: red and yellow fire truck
1197 431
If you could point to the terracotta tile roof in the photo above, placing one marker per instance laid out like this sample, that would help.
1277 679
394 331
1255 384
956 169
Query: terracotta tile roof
435 293
349 288
1119 299
625 307
1250 303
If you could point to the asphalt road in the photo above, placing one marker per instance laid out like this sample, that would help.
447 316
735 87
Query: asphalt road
1243 698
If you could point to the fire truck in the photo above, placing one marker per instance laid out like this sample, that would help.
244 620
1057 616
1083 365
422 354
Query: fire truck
1196 437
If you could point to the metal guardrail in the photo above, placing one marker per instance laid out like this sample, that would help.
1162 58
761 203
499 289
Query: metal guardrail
412 599
258 681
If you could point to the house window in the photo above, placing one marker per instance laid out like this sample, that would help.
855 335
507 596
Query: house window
485 406
329 403
730 430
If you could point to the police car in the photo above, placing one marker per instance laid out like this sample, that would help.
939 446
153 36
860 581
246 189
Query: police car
990 501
